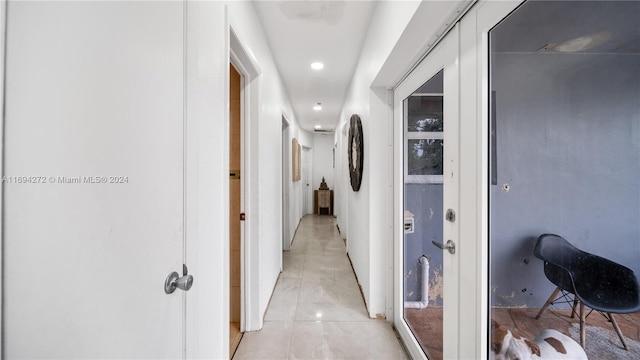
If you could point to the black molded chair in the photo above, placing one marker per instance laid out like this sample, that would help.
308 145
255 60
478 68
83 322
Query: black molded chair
595 282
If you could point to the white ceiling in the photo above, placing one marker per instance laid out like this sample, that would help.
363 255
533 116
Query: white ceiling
302 32
538 23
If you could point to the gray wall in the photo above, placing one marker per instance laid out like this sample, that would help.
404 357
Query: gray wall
425 202
568 145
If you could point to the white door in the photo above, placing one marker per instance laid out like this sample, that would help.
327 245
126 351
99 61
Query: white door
93 206
427 188
309 183
306 185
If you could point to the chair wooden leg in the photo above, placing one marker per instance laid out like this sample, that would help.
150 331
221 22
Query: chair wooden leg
583 331
618 331
575 307
549 301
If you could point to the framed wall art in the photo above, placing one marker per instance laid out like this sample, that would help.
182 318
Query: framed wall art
355 150
295 160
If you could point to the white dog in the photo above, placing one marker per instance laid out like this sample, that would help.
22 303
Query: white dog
549 344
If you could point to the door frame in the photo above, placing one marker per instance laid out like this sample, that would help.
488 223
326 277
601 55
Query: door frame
249 70
444 56
307 173
310 182
473 244
286 193
475 111
3 38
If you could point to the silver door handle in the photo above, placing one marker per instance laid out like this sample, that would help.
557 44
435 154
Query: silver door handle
450 246
175 281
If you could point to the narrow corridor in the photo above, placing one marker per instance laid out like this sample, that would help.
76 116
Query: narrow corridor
317 311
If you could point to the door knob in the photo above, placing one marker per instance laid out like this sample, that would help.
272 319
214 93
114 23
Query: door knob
176 281
449 246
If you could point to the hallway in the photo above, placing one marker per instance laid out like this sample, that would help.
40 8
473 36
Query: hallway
316 310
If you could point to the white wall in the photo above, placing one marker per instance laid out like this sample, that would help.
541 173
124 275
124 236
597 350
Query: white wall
266 154
207 166
398 34
366 217
296 188
322 160
342 186
363 215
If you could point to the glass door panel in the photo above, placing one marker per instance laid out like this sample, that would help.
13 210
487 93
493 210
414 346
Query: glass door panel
423 151
565 160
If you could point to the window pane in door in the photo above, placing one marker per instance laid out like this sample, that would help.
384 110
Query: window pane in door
423 196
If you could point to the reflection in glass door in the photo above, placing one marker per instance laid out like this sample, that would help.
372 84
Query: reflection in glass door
423 151
426 107
565 160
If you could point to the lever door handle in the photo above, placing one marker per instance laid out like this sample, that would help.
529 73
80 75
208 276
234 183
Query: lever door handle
449 246
176 281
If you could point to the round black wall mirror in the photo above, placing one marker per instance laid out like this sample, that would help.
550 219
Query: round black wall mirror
356 152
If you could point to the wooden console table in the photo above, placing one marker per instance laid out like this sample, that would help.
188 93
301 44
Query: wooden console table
323 202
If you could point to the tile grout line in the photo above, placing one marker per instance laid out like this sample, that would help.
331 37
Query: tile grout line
318 261
295 315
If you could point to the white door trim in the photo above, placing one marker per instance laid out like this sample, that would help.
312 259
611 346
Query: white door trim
305 183
474 125
249 69
285 172
3 33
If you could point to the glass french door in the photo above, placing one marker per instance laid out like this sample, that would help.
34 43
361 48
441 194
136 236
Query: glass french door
426 275
566 145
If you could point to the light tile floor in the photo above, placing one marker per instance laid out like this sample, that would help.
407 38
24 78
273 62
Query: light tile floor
317 311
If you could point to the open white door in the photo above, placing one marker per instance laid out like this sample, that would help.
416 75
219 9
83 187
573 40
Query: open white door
426 117
94 200
307 200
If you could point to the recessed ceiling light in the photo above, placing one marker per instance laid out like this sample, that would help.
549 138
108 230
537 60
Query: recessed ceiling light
317 107
318 127
317 66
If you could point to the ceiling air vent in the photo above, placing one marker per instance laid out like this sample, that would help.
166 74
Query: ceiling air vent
322 131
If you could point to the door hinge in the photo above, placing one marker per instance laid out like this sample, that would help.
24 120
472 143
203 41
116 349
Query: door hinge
243 217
